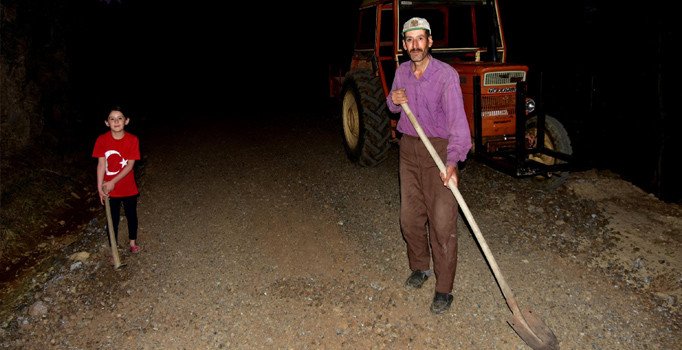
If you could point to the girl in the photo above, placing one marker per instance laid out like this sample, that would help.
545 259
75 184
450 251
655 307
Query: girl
117 152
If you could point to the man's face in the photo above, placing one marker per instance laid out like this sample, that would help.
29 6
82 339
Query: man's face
417 44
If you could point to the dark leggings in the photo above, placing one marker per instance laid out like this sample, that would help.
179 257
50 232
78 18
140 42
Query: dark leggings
130 209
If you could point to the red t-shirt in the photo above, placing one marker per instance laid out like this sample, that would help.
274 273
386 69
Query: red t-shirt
117 153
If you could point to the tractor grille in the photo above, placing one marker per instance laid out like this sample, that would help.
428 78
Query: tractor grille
498 105
503 78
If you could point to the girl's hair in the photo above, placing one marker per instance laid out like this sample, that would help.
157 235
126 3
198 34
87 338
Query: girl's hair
117 108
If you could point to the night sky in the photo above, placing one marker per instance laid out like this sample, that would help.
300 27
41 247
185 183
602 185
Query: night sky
607 70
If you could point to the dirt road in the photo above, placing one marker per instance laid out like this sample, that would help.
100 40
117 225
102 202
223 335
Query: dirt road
261 234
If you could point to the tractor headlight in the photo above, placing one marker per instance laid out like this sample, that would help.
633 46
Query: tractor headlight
530 105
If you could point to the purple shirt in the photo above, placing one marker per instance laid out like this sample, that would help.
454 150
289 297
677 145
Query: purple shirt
436 101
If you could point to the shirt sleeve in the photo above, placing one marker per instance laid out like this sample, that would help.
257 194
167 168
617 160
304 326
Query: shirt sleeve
459 138
397 82
98 150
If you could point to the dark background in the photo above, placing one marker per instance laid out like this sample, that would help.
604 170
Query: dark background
607 69
208 57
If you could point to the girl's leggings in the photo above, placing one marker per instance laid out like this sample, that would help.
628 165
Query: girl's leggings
130 209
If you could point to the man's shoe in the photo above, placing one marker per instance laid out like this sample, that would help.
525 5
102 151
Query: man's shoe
416 279
441 302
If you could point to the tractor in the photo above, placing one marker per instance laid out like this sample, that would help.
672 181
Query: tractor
510 131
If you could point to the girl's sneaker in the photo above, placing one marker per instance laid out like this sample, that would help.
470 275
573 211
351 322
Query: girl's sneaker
135 249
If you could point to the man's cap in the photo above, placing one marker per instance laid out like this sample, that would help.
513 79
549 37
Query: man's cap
416 23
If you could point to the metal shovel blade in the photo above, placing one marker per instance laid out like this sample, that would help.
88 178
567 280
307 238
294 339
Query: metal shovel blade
533 331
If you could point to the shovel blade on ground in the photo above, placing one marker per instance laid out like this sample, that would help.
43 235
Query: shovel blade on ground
533 331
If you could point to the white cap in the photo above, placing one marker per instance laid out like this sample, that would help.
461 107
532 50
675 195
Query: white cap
416 23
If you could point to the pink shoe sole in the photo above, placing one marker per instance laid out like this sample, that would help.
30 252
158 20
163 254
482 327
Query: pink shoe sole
135 249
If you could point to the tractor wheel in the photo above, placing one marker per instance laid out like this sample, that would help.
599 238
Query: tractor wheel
365 120
556 138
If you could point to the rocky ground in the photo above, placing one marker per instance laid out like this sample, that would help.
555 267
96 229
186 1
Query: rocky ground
263 235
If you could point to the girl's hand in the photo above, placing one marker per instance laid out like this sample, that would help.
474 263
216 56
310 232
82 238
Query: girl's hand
107 187
102 195
105 190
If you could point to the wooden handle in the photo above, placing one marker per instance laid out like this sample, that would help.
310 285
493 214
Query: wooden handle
112 236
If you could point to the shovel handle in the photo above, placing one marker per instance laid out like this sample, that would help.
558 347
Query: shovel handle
508 294
112 236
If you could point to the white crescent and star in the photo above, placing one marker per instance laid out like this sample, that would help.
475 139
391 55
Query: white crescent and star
123 162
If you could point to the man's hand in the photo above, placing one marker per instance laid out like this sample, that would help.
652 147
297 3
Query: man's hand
451 173
398 96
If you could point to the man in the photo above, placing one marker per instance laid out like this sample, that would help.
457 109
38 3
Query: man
428 210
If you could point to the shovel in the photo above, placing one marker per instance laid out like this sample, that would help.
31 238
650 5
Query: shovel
112 237
529 327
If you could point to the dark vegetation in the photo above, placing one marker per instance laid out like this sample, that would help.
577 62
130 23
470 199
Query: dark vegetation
43 174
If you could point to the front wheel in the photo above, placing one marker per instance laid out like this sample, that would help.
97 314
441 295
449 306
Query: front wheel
556 139
365 121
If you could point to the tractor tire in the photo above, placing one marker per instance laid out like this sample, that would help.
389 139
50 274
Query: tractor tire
556 138
365 119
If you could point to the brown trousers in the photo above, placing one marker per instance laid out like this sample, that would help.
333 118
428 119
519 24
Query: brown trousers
428 211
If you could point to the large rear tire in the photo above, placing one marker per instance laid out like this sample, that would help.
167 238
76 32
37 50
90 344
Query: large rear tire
365 119
556 139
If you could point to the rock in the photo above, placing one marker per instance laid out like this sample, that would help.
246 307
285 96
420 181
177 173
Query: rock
76 265
80 256
37 309
665 298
